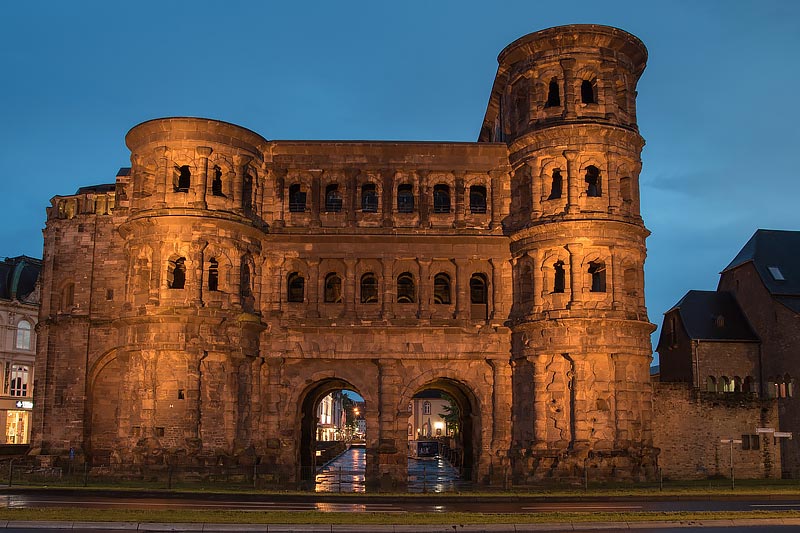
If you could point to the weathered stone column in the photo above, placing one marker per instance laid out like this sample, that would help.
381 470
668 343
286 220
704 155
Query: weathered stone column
240 163
462 290
313 288
349 295
575 278
568 66
573 191
387 302
203 152
536 188
459 203
424 309
164 183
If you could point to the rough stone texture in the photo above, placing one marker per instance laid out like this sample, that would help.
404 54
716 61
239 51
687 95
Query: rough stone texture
692 424
549 380
777 327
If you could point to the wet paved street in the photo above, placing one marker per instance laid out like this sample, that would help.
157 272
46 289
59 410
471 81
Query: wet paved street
346 474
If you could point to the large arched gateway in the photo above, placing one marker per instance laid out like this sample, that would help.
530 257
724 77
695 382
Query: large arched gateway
236 280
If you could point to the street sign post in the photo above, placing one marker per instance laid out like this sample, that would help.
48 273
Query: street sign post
731 442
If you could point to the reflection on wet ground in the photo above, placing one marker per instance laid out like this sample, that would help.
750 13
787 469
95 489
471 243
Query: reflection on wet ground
346 474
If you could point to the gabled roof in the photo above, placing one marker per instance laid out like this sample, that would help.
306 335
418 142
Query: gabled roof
18 276
700 312
775 254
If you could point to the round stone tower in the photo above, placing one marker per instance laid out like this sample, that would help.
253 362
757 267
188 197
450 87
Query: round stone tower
190 324
564 103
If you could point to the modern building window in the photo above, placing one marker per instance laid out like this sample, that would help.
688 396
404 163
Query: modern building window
405 198
406 291
176 273
597 271
297 199
477 199
333 289
333 198
18 384
559 276
369 288
213 275
553 96
556 185
441 289
592 179
369 198
441 198
295 290
23 335
426 408
588 91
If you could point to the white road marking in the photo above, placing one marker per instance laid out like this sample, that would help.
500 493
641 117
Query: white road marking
568 507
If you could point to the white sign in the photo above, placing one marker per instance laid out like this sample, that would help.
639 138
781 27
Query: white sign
783 434
765 430
24 404
728 441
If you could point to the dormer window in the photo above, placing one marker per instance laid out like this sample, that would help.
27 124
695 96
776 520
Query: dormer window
776 273
719 321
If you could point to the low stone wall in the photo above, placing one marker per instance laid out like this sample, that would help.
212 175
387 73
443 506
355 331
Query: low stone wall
689 426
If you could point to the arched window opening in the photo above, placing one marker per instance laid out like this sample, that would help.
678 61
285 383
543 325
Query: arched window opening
216 182
182 179
556 185
629 278
736 384
405 198
725 384
213 275
588 92
426 407
787 379
369 198
441 198
626 189
477 199
247 192
479 296
597 270
297 199
18 384
748 385
23 335
559 277
441 289
369 288
295 288
406 293
519 103
245 279
333 289
333 198
772 389
553 94
711 384
176 273
592 180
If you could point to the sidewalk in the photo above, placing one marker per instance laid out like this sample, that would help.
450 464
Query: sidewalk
343 528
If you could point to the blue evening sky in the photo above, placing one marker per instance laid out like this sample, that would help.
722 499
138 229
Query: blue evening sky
719 102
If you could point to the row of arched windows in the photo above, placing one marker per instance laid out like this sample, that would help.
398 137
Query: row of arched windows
734 384
780 387
405 285
596 271
176 275
442 201
182 183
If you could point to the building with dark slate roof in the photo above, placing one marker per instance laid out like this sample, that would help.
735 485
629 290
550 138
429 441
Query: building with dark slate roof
744 338
19 310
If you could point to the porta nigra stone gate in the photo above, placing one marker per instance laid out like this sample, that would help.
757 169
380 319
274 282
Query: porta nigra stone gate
196 310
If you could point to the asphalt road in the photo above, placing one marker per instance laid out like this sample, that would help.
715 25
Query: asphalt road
354 504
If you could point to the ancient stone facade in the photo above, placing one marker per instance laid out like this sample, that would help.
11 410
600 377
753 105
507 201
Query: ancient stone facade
200 307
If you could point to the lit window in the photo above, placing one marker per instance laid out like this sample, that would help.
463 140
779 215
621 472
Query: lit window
18 385
426 408
24 335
